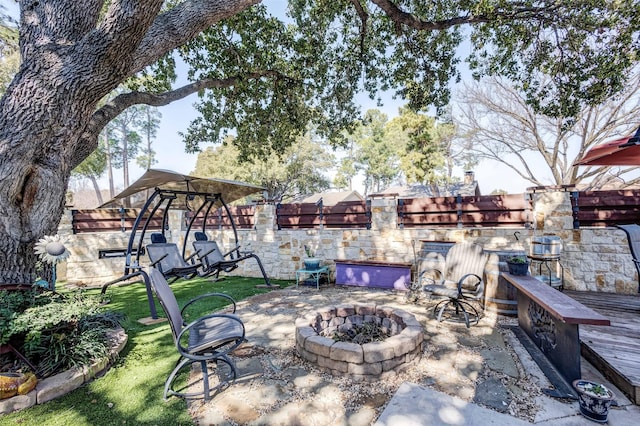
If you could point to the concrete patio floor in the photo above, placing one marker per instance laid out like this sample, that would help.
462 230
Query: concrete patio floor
481 375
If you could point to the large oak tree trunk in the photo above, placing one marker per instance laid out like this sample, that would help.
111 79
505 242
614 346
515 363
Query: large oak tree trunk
73 54
41 123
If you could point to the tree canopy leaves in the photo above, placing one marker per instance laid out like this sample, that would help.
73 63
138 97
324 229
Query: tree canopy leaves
278 73
299 171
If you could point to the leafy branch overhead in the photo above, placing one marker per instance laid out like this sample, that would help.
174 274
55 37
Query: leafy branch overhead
273 76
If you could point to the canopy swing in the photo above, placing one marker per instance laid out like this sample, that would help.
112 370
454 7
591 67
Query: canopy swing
171 190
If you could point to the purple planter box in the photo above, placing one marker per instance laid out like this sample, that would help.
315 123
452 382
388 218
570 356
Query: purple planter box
373 273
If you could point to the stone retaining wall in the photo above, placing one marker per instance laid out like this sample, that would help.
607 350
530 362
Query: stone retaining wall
63 383
596 259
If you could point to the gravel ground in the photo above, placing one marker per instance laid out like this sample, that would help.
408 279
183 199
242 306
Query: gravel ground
276 386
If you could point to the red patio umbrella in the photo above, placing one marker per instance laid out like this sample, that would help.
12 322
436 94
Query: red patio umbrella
620 152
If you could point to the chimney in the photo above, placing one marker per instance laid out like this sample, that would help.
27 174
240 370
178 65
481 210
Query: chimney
469 177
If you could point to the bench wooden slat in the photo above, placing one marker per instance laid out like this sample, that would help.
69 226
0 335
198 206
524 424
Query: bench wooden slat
555 302
373 263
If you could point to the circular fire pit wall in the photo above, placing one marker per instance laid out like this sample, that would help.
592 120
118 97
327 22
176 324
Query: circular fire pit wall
314 340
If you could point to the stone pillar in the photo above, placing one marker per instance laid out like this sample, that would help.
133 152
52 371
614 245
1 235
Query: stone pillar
553 215
552 212
384 214
264 218
175 233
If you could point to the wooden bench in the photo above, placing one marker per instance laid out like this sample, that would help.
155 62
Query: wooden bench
551 319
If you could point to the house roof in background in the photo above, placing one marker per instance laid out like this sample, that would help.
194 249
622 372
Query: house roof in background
332 198
419 191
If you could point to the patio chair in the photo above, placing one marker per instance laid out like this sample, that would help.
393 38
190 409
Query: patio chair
460 283
214 261
206 340
166 257
633 237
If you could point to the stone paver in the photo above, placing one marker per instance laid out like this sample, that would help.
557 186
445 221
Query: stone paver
501 361
494 394
413 405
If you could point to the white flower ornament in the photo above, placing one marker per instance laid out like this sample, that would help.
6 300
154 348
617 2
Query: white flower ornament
51 249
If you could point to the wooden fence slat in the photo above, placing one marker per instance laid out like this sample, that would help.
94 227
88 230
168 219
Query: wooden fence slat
476 211
614 201
243 218
350 214
103 220
605 208
431 218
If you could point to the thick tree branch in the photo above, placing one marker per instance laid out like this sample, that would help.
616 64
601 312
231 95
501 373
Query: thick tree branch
59 23
181 24
124 25
407 19
121 102
364 17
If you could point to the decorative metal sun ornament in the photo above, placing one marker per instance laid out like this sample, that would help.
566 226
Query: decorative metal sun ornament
51 249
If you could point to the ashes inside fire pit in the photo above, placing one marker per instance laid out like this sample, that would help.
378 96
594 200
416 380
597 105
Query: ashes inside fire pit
330 337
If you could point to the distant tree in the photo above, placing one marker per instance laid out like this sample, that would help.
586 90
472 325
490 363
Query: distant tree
457 152
421 147
149 128
413 147
346 170
125 132
496 121
300 170
92 168
376 157
109 145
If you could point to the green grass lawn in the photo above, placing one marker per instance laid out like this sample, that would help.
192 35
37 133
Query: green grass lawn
131 390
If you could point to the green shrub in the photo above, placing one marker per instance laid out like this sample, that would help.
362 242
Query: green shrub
56 332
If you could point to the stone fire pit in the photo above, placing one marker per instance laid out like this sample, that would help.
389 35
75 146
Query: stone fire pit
368 361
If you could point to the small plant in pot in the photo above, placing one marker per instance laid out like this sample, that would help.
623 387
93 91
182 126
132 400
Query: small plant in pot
518 265
594 400
311 263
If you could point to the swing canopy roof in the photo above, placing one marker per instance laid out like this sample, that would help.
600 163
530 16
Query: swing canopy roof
186 187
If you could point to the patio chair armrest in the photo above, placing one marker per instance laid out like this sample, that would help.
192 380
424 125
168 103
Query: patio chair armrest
235 249
464 277
222 295
422 279
184 352
159 260
206 254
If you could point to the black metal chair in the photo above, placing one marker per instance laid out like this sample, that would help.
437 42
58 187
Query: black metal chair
460 283
633 237
208 339
214 261
166 257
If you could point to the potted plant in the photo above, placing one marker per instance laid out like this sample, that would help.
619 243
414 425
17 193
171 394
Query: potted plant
594 400
518 265
311 263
